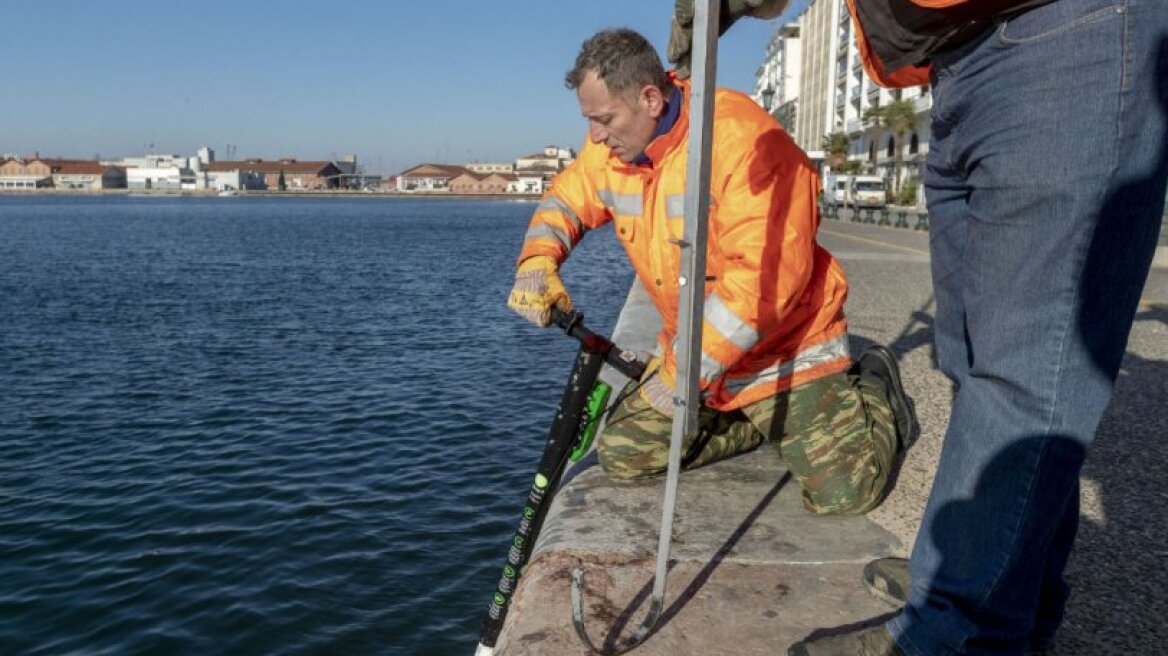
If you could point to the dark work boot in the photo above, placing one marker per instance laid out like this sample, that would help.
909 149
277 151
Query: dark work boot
873 641
887 580
877 362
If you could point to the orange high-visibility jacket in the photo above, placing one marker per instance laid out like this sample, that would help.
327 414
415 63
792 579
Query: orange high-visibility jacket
774 304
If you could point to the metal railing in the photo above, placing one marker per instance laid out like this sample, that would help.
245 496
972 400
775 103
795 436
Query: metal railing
893 217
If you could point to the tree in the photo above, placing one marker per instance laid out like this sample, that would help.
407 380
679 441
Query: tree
897 117
850 167
874 118
836 145
281 184
900 117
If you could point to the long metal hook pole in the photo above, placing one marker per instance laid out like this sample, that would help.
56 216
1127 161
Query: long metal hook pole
693 270
690 310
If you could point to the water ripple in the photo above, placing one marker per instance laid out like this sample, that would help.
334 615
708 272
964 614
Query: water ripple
267 426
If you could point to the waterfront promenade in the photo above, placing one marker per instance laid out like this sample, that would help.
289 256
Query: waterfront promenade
754 573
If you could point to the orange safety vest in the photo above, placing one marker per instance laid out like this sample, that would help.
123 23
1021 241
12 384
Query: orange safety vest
774 298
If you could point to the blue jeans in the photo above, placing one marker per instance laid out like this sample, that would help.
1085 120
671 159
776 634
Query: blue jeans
1045 184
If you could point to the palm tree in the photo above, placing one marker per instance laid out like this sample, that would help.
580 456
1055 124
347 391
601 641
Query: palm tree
897 117
836 145
900 117
874 118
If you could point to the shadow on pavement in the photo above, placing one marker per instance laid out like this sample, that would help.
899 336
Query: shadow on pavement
612 639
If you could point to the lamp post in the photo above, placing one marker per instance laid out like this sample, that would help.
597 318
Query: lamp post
768 96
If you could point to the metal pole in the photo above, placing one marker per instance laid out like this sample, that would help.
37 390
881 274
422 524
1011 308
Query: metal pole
693 267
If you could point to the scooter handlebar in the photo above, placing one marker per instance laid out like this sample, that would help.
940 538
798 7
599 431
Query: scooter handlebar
572 323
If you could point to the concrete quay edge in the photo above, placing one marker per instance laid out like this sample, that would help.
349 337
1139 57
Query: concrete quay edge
751 571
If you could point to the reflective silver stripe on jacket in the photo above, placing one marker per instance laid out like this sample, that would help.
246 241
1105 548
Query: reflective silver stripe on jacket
711 368
624 204
675 206
829 351
556 205
543 231
729 325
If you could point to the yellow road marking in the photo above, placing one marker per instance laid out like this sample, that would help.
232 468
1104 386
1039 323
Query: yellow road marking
874 241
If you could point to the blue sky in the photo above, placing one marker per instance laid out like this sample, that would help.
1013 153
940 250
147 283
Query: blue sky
394 82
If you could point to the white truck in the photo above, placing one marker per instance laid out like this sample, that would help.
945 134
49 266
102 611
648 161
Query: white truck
835 188
867 191
854 190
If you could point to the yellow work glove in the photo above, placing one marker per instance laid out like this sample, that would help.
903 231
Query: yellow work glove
657 388
537 290
681 28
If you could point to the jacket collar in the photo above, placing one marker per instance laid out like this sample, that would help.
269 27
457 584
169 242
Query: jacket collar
664 125
671 129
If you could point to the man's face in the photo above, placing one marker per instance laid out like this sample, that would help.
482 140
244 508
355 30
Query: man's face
625 123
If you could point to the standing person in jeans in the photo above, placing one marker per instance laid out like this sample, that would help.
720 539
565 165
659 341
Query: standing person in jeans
1045 181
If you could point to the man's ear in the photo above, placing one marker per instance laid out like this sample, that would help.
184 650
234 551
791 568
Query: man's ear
652 100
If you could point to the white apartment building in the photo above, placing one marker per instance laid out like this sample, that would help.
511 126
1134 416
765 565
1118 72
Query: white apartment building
819 33
834 93
777 84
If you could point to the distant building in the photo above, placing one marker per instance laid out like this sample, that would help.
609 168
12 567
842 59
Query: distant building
474 183
552 157
353 175
168 177
534 172
530 181
428 177
490 167
298 175
347 165
91 176
155 171
21 174
266 174
231 176
60 173
153 161
466 183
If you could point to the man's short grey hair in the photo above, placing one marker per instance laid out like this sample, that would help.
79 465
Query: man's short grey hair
623 59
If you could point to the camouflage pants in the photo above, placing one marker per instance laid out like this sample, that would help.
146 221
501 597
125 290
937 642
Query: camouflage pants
836 435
